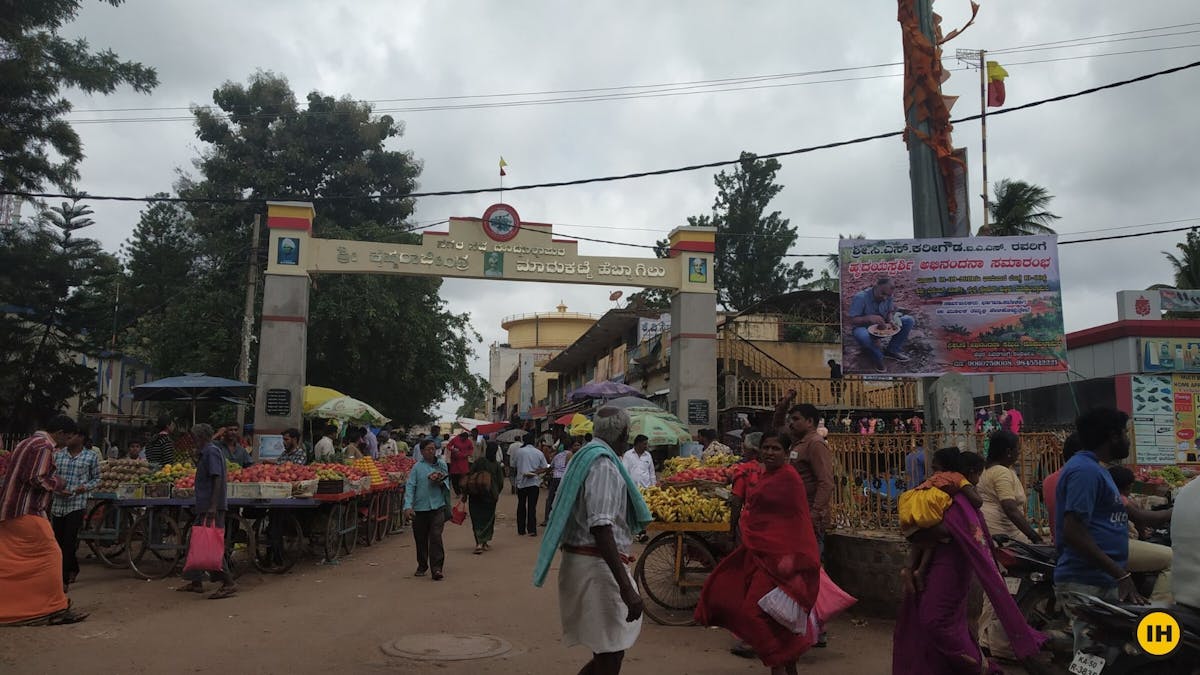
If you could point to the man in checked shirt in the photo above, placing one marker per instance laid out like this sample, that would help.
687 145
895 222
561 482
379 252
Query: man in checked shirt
80 471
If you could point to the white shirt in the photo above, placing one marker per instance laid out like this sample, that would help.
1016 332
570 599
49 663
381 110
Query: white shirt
528 459
1185 546
640 468
323 449
602 500
387 449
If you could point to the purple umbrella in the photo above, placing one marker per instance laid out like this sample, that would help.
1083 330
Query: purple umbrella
603 390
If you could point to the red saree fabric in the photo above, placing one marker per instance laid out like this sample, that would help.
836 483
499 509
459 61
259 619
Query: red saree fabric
778 549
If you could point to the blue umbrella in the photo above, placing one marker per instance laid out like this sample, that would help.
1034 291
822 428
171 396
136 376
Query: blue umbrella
192 387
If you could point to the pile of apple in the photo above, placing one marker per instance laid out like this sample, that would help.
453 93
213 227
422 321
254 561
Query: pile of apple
187 482
342 471
274 473
714 474
396 464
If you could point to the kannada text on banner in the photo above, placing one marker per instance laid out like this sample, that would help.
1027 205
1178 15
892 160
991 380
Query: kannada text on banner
930 306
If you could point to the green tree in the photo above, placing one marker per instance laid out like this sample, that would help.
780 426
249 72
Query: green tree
59 292
1186 265
475 399
37 145
751 243
1019 209
830 279
653 298
387 340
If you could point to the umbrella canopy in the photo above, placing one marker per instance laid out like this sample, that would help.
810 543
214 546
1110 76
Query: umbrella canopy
469 423
604 389
511 435
192 387
630 402
580 425
348 409
565 419
661 427
315 396
491 427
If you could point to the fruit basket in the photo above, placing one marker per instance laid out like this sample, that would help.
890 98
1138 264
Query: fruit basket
131 491
305 488
184 493
157 491
274 490
330 486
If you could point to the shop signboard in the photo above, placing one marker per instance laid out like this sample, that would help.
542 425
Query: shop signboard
1165 422
1169 355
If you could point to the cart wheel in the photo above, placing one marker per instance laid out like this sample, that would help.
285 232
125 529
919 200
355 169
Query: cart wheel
349 527
333 532
366 519
156 545
672 596
277 557
105 536
396 513
239 545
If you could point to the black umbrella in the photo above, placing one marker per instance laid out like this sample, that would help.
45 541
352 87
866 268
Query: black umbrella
192 387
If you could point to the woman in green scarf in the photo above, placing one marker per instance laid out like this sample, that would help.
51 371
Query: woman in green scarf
483 506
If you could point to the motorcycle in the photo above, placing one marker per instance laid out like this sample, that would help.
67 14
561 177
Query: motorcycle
1115 649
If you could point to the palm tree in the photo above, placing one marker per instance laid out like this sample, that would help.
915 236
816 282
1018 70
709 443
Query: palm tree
1019 209
833 261
1187 264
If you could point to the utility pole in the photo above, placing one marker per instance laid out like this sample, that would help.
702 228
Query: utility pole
248 315
977 58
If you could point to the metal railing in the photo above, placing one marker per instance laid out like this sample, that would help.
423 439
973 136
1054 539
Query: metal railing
869 473
847 393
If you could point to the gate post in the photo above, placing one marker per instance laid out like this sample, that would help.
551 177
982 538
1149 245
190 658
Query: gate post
283 335
693 390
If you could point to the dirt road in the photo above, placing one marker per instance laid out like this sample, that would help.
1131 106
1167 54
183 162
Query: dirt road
321 618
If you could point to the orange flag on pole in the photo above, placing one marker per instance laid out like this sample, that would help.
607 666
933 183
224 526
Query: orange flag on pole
995 87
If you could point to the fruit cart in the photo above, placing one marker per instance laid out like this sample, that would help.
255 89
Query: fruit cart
156 543
673 567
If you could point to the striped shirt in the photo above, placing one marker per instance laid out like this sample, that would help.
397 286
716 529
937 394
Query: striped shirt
602 500
294 456
82 469
31 480
161 450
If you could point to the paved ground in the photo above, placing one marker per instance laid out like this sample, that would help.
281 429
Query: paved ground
319 617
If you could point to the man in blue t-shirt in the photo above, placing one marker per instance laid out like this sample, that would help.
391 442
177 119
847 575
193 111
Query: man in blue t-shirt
1090 517
875 306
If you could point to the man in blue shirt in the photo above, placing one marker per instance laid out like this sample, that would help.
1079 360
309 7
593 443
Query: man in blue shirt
426 498
210 507
914 467
874 306
1090 517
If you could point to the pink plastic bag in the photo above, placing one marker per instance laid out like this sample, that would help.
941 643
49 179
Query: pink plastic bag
206 549
458 514
831 600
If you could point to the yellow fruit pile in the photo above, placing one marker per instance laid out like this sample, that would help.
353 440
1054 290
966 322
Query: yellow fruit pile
369 467
169 473
674 465
684 505
721 459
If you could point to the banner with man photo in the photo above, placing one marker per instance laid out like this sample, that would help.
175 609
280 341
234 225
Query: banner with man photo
933 306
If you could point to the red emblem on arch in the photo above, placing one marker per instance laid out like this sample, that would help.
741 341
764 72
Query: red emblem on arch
501 222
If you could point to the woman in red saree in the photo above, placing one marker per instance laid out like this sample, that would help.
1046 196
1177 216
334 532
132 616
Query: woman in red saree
777 550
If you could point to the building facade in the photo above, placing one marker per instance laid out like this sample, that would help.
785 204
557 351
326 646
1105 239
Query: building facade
514 367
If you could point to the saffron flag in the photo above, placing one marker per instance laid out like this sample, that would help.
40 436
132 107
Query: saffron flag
995 86
502 165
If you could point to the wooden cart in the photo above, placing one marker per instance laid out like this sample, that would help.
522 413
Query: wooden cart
673 567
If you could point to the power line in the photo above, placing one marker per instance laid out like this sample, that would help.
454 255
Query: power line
1097 37
619 177
1088 44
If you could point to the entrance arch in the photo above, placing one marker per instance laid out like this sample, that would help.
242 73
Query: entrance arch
496 246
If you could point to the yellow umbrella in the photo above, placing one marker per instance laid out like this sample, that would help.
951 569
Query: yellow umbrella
580 425
315 396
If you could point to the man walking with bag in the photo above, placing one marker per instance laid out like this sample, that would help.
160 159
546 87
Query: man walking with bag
426 502
210 510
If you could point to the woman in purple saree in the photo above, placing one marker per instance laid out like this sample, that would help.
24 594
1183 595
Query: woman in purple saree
931 635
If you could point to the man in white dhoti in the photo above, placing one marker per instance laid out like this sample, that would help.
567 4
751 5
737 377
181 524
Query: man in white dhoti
597 512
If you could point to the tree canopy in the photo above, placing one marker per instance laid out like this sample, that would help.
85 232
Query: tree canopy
751 242
386 340
37 145
1186 265
1019 209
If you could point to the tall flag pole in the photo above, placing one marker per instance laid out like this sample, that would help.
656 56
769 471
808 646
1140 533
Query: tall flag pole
991 92
503 173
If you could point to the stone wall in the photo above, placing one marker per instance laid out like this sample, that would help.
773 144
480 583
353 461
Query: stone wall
866 564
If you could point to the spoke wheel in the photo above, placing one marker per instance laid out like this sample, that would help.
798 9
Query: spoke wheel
396 512
106 528
279 542
333 532
380 517
366 511
239 545
672 597
156 545
349 527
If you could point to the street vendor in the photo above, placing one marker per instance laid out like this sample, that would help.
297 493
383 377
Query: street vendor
31 581
230 442
875 306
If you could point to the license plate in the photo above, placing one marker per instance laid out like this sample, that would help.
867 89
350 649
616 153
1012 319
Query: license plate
1013 583
1087 664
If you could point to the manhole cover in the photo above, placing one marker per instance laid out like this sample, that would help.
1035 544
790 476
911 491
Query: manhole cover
447 647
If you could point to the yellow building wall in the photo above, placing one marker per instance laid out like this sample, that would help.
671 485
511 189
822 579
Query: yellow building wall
547 331
511 394
807 359
541 385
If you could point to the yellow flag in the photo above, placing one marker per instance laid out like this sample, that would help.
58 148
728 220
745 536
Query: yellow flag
502 165
995 72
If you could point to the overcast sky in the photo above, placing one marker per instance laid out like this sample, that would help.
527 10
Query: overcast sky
1113 160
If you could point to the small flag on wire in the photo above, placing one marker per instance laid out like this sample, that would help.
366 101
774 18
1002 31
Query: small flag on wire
995 87
502 165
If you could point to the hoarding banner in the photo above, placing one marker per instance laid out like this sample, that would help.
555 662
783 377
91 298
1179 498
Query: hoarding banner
1179 300
1165 418
1179 355
926 307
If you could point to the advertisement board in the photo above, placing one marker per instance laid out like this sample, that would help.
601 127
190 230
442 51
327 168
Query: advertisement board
927 307
1165 419
1169 355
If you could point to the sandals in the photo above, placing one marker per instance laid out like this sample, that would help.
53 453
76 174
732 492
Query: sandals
190 588
223 592
478 550
66 617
